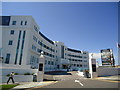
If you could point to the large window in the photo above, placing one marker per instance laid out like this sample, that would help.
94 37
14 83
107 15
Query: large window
62 51
21 54
4 20
74 56
17 49
10 42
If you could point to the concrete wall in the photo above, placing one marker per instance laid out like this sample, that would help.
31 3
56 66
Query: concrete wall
18 78
105 71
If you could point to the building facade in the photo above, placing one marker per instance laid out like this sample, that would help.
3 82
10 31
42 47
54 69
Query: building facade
22 43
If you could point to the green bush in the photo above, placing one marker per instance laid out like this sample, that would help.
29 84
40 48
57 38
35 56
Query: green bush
16 73
26 73
32 73
8 75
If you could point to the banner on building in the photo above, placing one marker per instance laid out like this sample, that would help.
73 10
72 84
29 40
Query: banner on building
107 57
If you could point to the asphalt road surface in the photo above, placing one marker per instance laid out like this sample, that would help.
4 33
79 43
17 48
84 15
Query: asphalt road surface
83 83
75 81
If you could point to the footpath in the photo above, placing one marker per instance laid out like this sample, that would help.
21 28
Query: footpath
110 78
26 85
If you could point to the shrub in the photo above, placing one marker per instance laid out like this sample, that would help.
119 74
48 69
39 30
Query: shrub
32 73
26 73
16 73
8 75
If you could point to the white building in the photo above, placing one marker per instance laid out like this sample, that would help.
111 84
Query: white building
22 43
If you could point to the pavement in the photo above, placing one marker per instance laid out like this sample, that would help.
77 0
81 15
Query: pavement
26 85
111 78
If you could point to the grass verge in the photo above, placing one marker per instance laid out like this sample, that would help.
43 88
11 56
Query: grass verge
7 87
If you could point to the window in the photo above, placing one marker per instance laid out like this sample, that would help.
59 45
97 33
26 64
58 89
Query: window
17 49
12 32
38 50
62 51
94 67
44 46
7 58
40 43
36 29
14 23
21 23
52 63
48 62
37 60
25 22
47 47
33 47
85 57
80 65
34 38
45 61
80 60
53 56
84 52
21 54
80 56
10 42
85 60
40 67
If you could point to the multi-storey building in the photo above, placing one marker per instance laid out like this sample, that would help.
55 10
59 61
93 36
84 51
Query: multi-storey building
22 43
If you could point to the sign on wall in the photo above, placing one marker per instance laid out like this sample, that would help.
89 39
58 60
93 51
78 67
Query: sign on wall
107 57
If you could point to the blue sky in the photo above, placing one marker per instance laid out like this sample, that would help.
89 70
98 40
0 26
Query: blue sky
89 26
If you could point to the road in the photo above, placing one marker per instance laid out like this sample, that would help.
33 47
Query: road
75 81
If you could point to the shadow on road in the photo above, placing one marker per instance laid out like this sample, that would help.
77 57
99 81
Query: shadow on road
58 73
